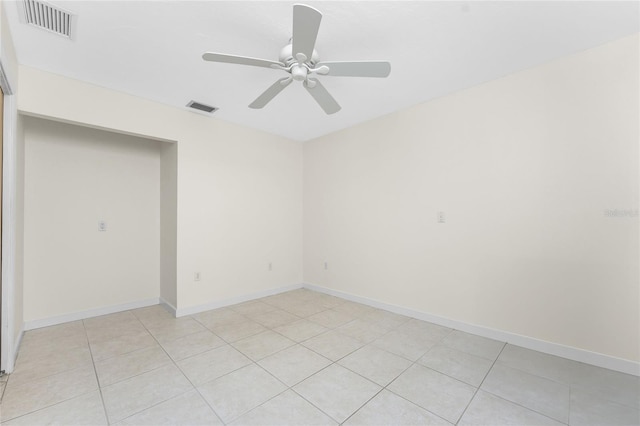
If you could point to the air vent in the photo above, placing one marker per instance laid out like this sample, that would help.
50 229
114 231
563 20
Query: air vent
48 17
201 107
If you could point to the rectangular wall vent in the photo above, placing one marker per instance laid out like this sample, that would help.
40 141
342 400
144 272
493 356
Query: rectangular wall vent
48 17
201 107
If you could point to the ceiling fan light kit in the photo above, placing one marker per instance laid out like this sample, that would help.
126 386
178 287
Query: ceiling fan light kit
302 62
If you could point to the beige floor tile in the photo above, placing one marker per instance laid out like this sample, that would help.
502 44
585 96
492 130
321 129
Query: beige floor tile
331 318
263 344
153 316
238 330
111 320
36 368
138 393
607 384
238 392
474 345
219 318
192 344
121 345
375 364
301 330
465 367
275 318
294 364
212 364
337 391
536 393
488 409
591 409
82 410
433 391
404 345
43 345
544 365
286 409
304 310
37 394
54 332
253 307
387 320
363 331
387 408
101 334
333 345
175 330
424 329
327 300
186 409
281 300
122 367
354 309
55 380
302 294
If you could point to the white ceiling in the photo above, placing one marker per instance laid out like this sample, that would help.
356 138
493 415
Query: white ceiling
153 49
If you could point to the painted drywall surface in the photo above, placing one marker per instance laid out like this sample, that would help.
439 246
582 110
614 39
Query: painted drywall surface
168 222
525 169
76 177
12 312
239 190
239 209
18 286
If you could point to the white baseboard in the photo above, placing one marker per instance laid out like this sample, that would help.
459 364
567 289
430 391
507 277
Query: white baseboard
569 352
74 316
16 349
190 310
168 306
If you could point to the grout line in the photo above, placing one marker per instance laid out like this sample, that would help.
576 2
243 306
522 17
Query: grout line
481 383
95 371
522 406
46 406
362 406
175 364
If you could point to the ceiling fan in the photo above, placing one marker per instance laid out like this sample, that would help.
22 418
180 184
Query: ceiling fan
300 60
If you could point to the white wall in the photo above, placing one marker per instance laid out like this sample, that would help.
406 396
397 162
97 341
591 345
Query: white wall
239 202
17 304
12 318
168 223
74 178
524 168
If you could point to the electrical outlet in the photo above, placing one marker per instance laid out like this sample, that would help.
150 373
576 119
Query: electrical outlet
441 217
196 276
102 226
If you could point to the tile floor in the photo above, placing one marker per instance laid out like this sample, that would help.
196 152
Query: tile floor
299 357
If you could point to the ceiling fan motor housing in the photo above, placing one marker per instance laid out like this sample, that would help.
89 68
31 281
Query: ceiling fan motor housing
286 57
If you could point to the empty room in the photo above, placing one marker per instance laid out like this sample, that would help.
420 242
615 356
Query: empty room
320 213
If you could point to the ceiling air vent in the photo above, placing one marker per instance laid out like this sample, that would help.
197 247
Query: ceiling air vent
48 17
201 107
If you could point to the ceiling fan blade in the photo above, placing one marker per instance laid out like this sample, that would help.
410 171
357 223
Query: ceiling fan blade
306 22
322 97
241 60
270 93
379 69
